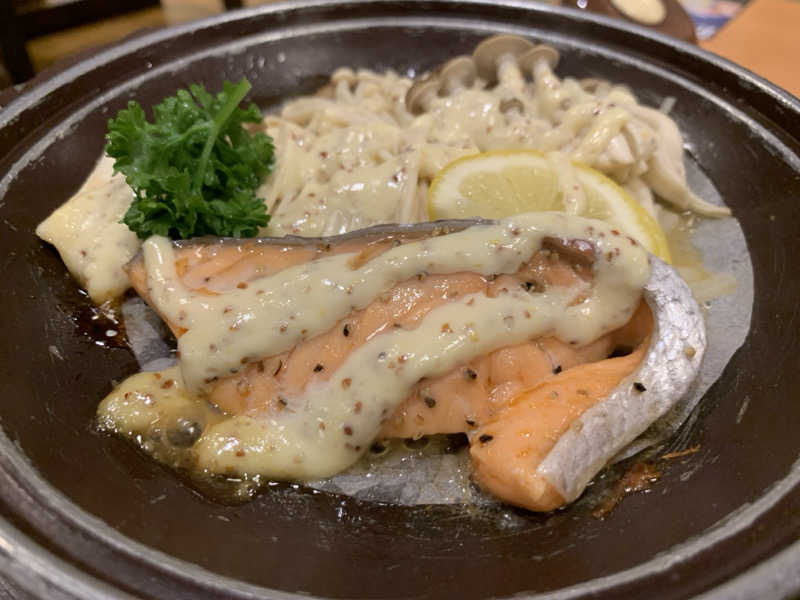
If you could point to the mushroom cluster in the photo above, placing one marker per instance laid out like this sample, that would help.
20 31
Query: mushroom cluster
453 76
592 121
501 59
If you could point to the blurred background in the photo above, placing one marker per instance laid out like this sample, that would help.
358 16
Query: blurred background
762 35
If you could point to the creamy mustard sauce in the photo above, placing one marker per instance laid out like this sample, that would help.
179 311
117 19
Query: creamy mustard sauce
88 234
327 427
270 315
153 409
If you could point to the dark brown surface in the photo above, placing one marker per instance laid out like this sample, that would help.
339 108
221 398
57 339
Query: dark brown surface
40 17
295 540
13 56
22 20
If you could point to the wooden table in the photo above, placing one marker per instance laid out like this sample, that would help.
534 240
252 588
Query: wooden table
765 38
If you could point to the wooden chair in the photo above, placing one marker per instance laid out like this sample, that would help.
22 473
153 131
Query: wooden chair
21 20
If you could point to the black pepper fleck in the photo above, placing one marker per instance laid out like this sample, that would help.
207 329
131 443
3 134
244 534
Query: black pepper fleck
318 368
430 402
557 370
485 438
471 374
639 386
346 330
348 430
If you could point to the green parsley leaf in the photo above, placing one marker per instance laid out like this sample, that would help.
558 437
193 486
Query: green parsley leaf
194 169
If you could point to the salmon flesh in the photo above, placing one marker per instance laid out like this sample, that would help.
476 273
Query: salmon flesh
542 416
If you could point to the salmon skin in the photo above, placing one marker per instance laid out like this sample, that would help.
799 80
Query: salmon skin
542 416
657 376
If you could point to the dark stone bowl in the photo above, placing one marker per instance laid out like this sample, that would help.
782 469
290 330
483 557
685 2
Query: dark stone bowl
87 516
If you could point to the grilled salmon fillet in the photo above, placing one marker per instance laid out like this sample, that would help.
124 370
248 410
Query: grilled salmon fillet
514 403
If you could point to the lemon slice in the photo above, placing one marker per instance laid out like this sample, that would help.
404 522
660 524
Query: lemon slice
501 184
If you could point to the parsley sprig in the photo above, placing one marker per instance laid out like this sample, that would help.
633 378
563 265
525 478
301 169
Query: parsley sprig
194 169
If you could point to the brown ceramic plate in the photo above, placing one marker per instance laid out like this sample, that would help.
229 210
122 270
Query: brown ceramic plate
87 514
